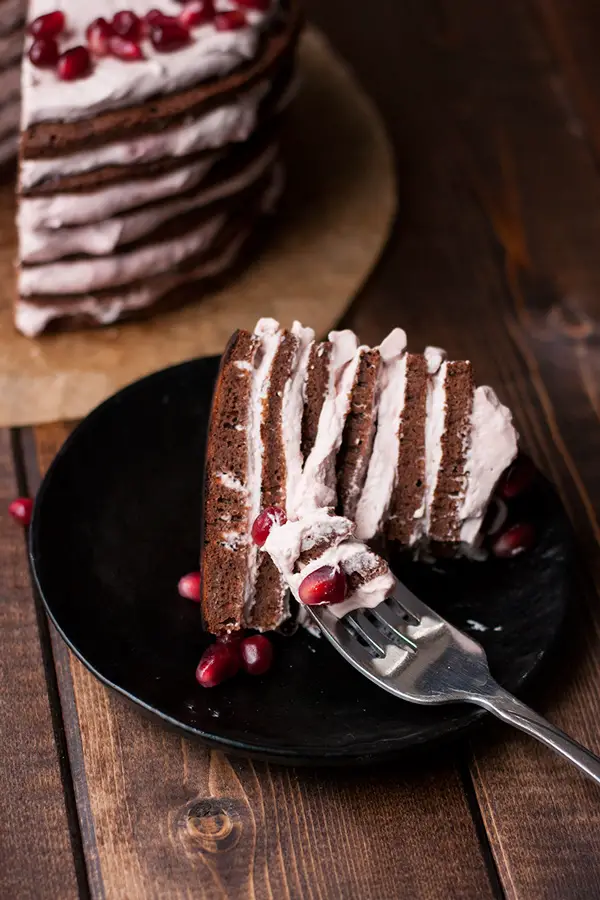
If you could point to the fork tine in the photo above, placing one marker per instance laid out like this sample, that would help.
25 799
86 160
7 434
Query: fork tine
411 604
390 619
367 631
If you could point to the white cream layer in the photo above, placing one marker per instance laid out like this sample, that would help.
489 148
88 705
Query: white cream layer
492 448
379 484
292 411
435 426
11 12
286 542
31 320
232 122
58 210
84 276
317 487
114 83
101 238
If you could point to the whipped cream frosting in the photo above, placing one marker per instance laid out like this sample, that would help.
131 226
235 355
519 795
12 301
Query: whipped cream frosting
101 238
434 430
492 448
11 13
232 122
114 83
58 210
316 487
31 319
381 473
286 542
83 276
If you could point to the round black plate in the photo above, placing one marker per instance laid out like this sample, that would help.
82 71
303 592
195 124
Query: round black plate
117 522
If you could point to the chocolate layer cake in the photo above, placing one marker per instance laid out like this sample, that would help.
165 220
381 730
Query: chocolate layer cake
12 17
149 155
403 444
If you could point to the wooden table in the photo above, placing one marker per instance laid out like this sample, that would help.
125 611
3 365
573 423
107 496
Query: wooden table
494 109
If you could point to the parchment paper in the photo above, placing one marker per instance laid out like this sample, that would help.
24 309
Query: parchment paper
338 209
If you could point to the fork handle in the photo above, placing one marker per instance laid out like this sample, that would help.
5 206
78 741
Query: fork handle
509 709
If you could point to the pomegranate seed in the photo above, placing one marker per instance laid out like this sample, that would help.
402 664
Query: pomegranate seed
217 663
123 48
230 20
199 12
257 654
43 53
21 510
155 17
189 586
517 478
47 26
516 539
259 5
272 515
74 63
127 24
324 585
169 36
230 637
97 35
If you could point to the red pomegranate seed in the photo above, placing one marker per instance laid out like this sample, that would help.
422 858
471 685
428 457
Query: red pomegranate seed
169 36
516 539
21 510
257 654
47 26
230 20
97 35
73 63
124 49
155 17
199 12
127 24
189 586
43 53
272 515
259 5
517 478
218 662
324 585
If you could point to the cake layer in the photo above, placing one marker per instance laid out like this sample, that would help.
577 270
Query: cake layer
36 313
11 45
8 147
359 431
161 91
9 118
12 13
316 389
100 238
10 84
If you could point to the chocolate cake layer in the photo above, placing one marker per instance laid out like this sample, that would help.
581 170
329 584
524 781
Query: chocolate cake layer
46 139
270 597
357 441
409 490
444 523
316 388
226 528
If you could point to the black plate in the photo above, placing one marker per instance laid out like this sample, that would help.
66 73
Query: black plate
117 522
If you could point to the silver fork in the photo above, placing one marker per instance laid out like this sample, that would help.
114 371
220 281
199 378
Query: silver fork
407 649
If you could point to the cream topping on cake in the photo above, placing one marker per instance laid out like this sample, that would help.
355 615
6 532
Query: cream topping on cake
434 430
492 448
234 121
113 83
381 473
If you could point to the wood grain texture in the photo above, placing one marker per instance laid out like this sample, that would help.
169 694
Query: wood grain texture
162 817
496 258
36 858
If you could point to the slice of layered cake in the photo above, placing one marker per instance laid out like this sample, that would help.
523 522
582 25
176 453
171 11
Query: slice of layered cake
149 151
317 449
12 17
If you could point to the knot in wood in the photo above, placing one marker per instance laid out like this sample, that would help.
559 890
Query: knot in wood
214 824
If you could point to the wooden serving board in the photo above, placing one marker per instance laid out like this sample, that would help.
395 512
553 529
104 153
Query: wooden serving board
336 217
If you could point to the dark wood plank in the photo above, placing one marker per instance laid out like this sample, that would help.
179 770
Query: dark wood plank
496 257
167 818
36 856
